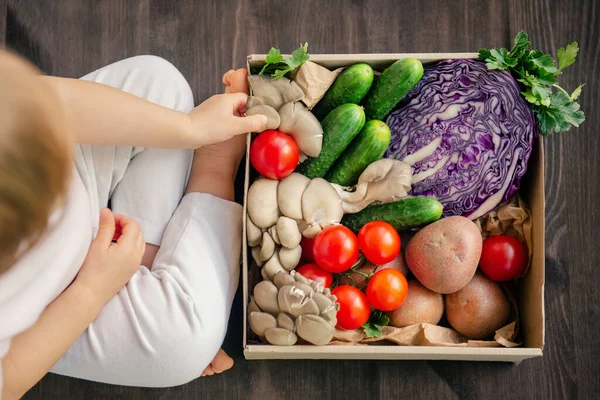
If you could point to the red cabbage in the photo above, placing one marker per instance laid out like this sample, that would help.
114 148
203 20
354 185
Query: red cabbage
468 135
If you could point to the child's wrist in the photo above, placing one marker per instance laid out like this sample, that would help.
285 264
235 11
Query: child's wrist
88 296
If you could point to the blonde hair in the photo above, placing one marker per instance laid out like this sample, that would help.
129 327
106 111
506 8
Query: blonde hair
35 158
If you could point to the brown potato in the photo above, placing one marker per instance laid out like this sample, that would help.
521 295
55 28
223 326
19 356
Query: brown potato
443 256
478 309
359 281
421 306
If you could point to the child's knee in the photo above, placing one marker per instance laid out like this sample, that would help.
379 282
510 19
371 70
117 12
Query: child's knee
171 87
185 355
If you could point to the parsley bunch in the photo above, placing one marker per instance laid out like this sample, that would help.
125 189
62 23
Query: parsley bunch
377 320
278 67
536 72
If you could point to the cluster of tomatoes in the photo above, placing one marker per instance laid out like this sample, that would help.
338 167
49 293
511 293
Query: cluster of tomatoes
336 249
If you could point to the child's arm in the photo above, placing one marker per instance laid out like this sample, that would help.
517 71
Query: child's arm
99 114
107 268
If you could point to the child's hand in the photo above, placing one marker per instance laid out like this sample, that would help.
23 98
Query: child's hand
109 266
219 119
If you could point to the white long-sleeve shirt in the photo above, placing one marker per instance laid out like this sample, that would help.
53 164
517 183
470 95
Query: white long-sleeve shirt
165 326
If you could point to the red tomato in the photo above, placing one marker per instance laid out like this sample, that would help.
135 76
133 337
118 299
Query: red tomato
503 258
307 249
387 289
274 154
316 273
354 307
379 242
335 249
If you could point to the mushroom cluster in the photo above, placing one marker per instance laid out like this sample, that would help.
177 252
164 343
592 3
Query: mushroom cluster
281 212
290 307
383 181
279 101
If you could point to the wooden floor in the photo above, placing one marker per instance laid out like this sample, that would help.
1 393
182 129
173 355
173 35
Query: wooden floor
205 38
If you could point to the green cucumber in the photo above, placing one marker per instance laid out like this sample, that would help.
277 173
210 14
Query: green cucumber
369 146
391 87
350 87
339 128
404 214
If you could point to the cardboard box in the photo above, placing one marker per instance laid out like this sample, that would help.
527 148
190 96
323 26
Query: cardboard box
531 289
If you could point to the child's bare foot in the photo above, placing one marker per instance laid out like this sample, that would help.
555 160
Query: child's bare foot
236 81
221 362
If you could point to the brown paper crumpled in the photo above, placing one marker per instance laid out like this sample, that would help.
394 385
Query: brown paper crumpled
432 335
314 81
512 218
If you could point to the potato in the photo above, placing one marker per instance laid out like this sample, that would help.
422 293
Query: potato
443 256
421 306
358 280
478 309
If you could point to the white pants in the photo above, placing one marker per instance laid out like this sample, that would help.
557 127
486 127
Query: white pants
168 323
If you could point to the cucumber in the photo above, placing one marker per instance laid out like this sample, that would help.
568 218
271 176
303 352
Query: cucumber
339 128
392 86
350 87
404 214
369 146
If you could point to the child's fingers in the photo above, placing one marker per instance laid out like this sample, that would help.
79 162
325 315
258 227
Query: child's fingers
251 123
238 100
131 231
106 228
226 77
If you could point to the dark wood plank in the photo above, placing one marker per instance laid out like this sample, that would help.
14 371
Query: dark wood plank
204 39
3 10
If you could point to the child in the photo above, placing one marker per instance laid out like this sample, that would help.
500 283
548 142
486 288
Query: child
139 295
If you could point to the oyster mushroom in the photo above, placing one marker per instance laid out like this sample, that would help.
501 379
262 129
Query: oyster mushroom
273 118
284 321
273 266
290 258
252 306
253 102
267 247
264 275
262 203
281 279
289 195
384 181
274 93
321 206
256 256
288 233
295 301
253 233
298 304
265 297
314 329
303 126
260 322
280 337
273 232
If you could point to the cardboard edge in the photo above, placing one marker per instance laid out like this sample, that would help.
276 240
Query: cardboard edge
498 354
263 352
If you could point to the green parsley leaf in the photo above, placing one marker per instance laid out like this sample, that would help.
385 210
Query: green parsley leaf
577 92
535 71
274 56
278 66
566 56
299 57
560 115
377 320
542 61
521 44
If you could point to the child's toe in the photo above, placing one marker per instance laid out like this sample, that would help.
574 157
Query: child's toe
221 362
238 81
